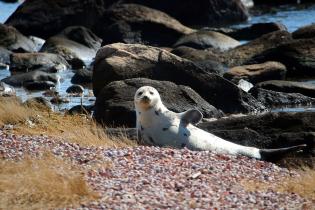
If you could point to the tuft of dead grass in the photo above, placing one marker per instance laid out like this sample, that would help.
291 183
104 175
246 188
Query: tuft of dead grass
78 129
34 184
303 185
12 112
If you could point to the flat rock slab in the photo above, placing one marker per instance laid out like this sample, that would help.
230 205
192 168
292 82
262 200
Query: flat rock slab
257 72
48 62
270 130
243 54
273 99
207 39
297 55
306 89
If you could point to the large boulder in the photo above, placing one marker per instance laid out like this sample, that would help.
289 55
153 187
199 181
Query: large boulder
39 85
31 17
304 32
201 12
123 61
19 80
37 61
242 54
13 40
133 23
257 72
195 54
75 42
205 59
115 104
47 18
207 39
306 89
270 130
82 76
297 55
272 98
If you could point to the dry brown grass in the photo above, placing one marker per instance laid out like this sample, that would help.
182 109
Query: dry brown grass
73 128
11 112
303 185
34 184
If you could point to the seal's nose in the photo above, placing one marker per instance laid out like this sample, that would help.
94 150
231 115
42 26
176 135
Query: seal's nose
146 98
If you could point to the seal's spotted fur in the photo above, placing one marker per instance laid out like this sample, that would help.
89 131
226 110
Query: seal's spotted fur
156 125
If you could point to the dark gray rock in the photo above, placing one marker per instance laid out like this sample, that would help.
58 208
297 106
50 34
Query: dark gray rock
195 54
115 103
39 85
205 59
75 44
211 66
132 23
47 62
304 32
80 109
242 54
202 12
31 17
13 40
75 89
19 80
297 55
82 76
270 130
59 100
306 89
272 98
251 32
207 39
256 73
123 61
10 1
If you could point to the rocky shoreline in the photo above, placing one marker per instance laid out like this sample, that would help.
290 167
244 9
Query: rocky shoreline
152 177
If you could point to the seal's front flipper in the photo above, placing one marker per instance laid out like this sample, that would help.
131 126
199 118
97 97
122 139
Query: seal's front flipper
192 116
276 154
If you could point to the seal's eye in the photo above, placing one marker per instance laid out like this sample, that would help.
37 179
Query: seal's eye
151 92
140 93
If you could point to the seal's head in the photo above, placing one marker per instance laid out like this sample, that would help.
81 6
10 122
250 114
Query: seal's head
146 98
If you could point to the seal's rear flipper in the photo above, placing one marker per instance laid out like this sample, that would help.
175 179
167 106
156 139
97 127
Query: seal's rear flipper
276 154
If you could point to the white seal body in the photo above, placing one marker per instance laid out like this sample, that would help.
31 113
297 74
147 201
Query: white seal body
156 125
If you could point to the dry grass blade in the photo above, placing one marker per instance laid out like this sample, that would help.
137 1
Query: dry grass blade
12 112
34 184
95 135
